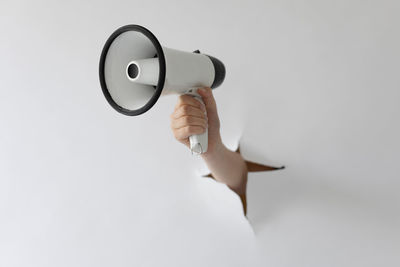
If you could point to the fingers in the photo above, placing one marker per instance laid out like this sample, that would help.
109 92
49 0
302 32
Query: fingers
188 121
186 110
186 131
190 101
189 118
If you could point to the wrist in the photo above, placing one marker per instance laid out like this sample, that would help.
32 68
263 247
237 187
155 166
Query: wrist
216 150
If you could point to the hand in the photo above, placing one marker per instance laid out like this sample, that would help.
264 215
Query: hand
189 118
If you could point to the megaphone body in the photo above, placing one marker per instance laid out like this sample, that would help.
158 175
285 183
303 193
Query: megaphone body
135 70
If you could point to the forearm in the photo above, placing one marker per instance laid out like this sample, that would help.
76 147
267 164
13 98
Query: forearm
227 167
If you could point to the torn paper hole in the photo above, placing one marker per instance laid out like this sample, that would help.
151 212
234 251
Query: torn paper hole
251 167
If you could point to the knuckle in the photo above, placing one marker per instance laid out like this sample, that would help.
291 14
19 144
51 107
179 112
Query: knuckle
188 130
177 134
186 109
188 120
178 112
195 103
197 129
177 137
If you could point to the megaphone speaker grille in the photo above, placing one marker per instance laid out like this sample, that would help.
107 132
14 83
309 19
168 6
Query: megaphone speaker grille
133 71
127 44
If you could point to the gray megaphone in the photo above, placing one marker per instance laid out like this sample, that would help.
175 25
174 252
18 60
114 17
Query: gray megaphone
135 70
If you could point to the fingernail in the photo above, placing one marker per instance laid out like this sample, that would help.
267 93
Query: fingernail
201 90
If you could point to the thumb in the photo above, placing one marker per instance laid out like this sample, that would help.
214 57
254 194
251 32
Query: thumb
208 99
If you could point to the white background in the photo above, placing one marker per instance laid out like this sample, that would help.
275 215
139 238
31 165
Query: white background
313 85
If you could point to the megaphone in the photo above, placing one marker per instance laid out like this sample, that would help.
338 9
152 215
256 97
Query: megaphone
135 70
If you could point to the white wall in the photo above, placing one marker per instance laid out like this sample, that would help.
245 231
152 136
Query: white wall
313 85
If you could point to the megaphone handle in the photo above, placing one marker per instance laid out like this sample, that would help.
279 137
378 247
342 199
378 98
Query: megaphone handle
198 142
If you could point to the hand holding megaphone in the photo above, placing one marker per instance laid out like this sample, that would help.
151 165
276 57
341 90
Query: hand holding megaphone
193 118
135 70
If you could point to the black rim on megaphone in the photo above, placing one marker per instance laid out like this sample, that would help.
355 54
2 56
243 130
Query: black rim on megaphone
161 78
